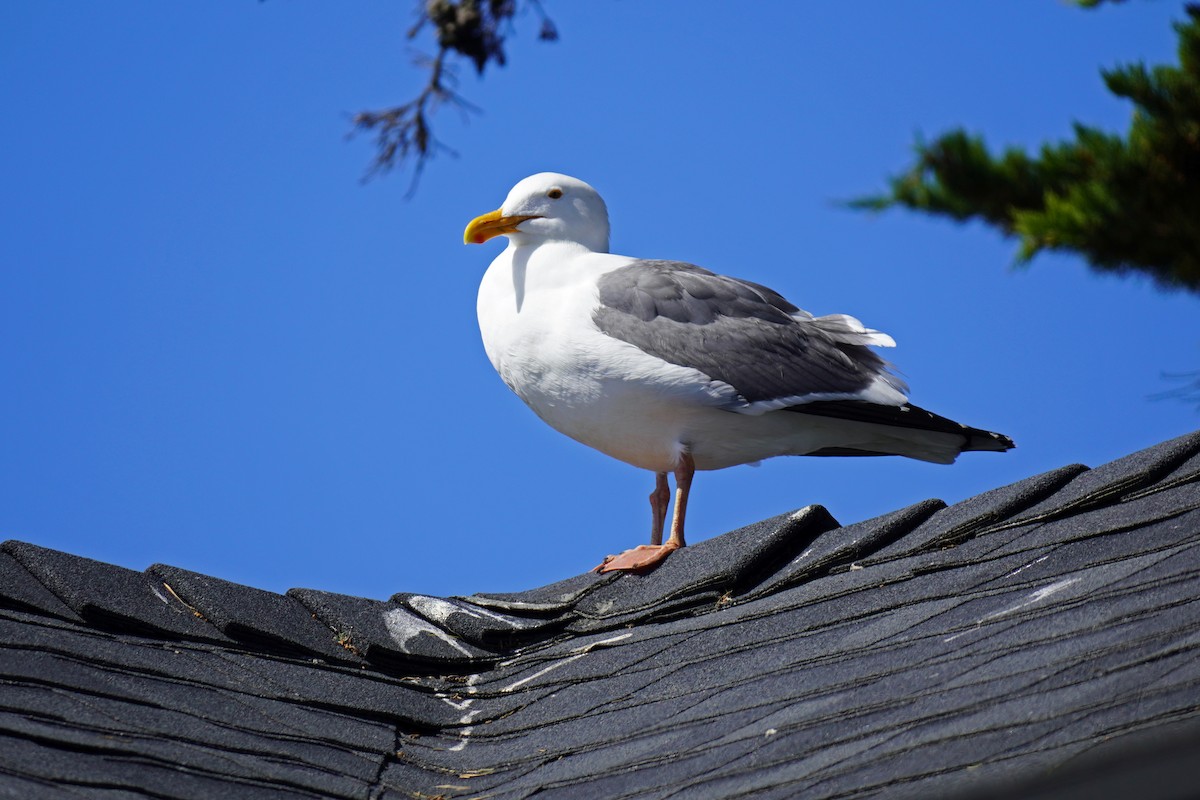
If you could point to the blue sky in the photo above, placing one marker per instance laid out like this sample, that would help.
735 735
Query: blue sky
220 350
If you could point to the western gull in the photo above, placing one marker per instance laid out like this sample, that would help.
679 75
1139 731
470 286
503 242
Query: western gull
673 368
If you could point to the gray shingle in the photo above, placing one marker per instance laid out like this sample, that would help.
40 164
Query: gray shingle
485 627
927 652
252 615
1109 481
111 595
387 632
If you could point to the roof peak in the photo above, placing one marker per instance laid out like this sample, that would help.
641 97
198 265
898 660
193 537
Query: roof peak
418 634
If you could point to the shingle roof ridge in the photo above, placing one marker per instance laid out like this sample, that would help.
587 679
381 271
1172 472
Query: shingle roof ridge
418 634
793 656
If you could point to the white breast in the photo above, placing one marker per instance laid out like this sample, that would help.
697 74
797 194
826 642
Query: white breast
535 315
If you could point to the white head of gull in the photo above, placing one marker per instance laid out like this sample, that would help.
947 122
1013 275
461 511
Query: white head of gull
672 368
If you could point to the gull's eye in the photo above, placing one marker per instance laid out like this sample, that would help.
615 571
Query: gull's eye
554 194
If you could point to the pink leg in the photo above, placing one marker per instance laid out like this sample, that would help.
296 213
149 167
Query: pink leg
648 556
683 487
660 498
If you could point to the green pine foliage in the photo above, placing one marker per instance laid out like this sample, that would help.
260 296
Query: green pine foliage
1125 204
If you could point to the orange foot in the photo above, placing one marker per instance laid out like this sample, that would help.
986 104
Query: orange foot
642 558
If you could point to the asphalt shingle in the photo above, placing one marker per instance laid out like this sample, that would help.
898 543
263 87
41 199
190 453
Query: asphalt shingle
253 615
979 649
109 595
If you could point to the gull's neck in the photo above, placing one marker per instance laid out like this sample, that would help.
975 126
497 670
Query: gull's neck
525 242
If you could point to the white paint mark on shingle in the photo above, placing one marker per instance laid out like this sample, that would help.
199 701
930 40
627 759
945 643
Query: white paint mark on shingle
1032 598
435 608
542 672
403 627
462 705
1024 567
577 653
802 556
601 643
440 610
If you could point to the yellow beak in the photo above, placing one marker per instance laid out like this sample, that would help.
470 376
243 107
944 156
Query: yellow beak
490 225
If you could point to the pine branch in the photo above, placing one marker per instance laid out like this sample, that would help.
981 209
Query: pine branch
1126 204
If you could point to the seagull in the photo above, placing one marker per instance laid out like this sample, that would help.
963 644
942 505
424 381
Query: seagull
672 368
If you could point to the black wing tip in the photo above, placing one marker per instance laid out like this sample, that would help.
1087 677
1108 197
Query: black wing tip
978 439
908 416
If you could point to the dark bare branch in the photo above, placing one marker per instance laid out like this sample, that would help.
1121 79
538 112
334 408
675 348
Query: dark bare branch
1188 391
472 29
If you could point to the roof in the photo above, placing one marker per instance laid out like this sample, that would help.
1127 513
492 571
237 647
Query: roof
1045 632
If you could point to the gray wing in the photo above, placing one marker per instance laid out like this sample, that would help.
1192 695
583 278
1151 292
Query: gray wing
736 332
